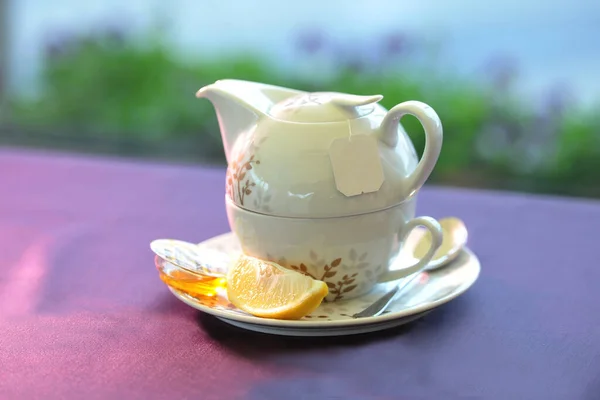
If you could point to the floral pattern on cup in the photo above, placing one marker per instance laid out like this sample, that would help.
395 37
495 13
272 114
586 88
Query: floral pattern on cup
332 272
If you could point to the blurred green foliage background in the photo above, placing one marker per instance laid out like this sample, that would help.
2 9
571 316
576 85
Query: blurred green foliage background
108 93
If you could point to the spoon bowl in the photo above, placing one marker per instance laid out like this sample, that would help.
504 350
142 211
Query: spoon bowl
192 258
455 237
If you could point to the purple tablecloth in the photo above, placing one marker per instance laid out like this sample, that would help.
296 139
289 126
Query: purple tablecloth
84 315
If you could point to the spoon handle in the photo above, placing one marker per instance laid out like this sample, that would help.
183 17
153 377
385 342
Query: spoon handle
381 304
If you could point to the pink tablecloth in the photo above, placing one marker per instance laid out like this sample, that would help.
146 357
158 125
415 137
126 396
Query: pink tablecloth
84 315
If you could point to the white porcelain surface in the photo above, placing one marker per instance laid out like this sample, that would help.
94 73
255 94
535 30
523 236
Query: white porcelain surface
350 254
326 331
430 290
455 238
277 142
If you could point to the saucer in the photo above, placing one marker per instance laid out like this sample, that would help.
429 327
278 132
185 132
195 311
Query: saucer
425 293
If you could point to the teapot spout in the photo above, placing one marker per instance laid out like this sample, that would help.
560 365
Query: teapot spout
241 104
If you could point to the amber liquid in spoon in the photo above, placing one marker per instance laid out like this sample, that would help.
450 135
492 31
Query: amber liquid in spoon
190 283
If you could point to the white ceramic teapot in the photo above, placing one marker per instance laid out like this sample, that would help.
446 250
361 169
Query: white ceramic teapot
324 183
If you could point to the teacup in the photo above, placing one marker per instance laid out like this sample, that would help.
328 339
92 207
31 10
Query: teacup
351 254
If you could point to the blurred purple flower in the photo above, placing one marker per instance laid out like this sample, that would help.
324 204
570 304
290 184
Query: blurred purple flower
502 71
395 44
58 44
311 42
557 100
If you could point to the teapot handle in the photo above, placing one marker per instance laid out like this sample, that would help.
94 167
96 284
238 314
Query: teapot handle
433 138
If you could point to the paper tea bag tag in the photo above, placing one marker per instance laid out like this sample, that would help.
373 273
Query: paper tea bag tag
191 257
356 164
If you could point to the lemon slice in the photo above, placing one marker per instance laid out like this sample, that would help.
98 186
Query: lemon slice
268 290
